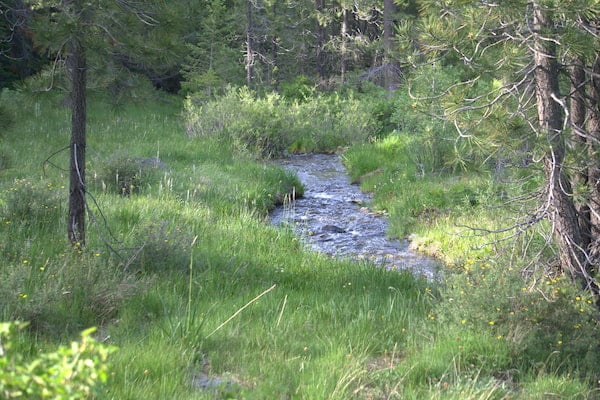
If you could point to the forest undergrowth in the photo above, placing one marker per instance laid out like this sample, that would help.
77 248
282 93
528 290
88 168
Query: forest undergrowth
194 294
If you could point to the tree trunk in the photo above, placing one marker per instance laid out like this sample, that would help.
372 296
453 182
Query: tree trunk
344 44
320 42
76 65
560 206
578 113
249 45
389 10
274 70
593 129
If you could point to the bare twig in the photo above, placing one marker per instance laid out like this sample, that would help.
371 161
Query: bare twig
235 314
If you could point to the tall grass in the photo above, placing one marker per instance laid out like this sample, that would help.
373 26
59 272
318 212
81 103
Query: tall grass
204 299
172 272
501 318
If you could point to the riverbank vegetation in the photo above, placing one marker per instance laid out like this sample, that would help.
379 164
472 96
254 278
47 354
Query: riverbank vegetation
199 295
474 127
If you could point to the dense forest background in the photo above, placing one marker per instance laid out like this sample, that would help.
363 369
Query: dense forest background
209 44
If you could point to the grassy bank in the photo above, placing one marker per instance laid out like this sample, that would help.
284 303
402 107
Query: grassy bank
202 298
504 325
173 271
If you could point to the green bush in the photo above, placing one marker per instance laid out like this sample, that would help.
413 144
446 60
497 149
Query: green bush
268 126
66 292
72 372
301 89
6 119
126 175
162 248
252 124
37 203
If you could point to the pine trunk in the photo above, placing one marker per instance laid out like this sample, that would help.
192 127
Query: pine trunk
578 113
249 44
77 71
593 129
344 44
320 42
559 202
389 9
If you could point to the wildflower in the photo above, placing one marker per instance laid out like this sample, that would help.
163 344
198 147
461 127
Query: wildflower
23 295
492 323
25 261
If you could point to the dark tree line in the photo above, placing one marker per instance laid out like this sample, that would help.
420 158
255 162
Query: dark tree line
18 57
262 42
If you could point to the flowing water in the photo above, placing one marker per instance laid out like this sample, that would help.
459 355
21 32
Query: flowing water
333 217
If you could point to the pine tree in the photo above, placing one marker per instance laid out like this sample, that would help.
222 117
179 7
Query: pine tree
533 62
78 31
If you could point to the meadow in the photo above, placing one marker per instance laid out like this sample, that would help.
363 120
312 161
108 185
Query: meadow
195 295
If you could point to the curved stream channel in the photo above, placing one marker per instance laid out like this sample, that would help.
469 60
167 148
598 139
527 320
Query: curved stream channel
332 217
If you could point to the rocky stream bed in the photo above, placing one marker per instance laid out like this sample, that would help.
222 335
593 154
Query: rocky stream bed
333 217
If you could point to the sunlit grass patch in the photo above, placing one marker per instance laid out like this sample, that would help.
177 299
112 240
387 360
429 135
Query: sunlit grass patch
546 386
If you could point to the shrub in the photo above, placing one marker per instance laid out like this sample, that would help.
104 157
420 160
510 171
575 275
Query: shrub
301 89
64 293
71 372
162 249
6 119
125 175
268 126
37 203
252 124
545 322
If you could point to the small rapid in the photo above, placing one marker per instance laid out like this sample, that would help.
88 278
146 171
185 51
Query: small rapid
333 218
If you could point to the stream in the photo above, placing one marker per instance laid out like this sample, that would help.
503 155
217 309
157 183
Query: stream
333 218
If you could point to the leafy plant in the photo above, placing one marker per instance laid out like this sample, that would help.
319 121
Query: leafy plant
6 119
162 248
267 126
69 373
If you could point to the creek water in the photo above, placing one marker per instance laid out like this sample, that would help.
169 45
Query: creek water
333 218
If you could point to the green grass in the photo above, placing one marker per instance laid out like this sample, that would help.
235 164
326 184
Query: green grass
502 326
170 272
189 280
